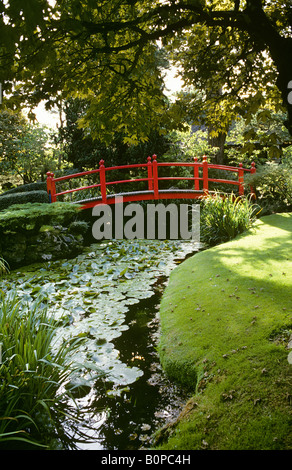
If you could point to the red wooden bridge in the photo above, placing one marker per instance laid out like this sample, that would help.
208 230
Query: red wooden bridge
200 182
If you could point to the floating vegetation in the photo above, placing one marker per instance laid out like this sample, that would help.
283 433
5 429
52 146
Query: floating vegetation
91 294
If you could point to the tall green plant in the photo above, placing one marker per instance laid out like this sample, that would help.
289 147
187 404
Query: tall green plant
225 216
33 375
3 266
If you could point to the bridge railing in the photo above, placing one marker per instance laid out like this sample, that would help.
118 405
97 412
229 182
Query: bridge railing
200 171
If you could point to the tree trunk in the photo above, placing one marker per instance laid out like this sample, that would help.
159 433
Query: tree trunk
262 30
282 56
218 141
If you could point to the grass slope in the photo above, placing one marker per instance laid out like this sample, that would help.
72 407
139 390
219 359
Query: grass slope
226 323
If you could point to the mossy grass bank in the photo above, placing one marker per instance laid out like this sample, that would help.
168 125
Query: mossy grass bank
226 324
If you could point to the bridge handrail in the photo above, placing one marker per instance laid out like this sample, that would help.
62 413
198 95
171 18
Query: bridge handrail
122 167
68 191
152 176
75 175
210 165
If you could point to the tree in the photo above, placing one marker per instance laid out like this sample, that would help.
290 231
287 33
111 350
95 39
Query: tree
12 127
86 153
23 148
232 70
106 52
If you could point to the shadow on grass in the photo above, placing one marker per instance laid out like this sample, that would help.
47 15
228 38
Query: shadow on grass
215 297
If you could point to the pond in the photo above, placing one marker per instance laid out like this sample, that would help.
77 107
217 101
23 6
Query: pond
110 295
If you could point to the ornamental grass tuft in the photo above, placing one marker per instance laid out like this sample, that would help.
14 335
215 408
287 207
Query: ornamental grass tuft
225 216
33 375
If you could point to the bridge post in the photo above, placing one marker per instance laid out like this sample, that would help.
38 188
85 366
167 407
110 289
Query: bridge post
150 177
102 181
240 180
205 175
155 177
51 187
253 171
196 174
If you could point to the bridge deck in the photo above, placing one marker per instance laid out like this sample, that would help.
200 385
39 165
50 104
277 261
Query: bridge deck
143 196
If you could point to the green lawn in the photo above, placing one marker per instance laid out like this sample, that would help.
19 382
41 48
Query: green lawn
226 321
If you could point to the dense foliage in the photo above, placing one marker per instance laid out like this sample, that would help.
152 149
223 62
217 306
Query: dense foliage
273 187
24 150
81 150
23 198
237 53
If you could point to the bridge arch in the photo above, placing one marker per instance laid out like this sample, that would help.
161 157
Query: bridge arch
200 180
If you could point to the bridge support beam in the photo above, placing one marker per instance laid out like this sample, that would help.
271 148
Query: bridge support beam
240 180
196 174
102 181
150 176
205 175
155 178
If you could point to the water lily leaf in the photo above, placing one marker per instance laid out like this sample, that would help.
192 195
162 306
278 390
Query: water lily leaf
59 282
35 290
114 393
78 310
128 275
124 375
89 293
123 271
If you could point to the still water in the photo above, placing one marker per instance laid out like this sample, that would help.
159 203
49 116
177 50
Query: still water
139 409
110 296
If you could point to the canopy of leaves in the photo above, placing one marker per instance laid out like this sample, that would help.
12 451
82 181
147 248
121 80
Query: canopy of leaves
85 152
107 52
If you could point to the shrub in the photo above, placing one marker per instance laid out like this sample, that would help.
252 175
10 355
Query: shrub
24 188
225 216
79 227
23 198
273 187
21 216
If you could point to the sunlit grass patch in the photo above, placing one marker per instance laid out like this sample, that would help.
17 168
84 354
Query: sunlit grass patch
222 315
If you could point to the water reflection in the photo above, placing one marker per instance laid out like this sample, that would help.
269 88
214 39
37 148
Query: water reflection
134 412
